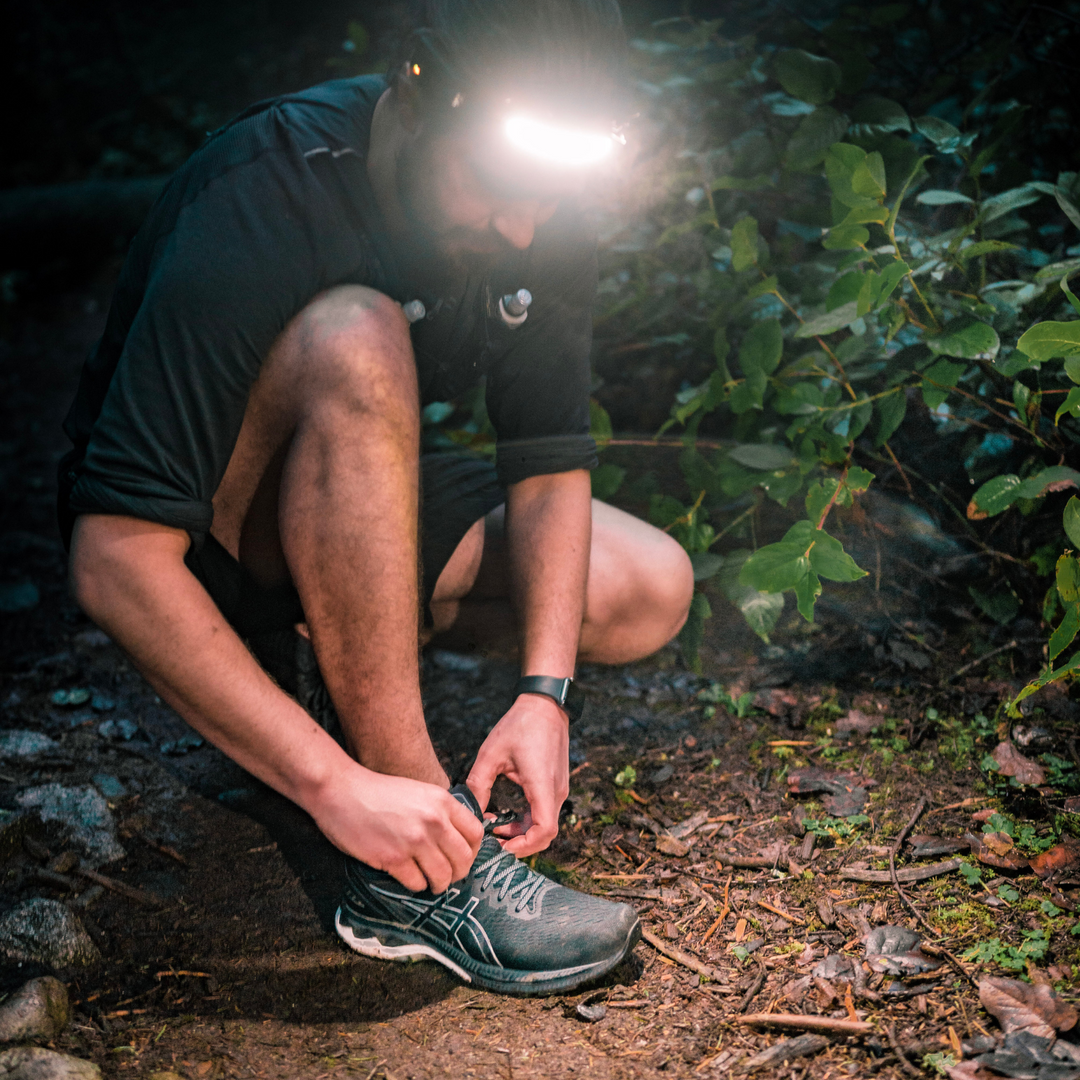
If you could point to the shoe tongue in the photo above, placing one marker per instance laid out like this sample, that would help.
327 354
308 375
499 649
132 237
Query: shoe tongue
467 799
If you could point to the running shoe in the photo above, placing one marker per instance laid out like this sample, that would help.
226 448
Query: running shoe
503 927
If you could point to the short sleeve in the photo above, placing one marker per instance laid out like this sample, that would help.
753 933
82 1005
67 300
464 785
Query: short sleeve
220 286
538 394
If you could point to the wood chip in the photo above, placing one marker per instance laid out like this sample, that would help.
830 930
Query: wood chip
786 1049
910 873
809 1023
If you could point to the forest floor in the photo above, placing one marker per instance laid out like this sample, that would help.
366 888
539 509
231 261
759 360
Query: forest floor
749 814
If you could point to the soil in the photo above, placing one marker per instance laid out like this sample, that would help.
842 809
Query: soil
236 972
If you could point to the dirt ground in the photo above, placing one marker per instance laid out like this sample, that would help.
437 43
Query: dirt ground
685 802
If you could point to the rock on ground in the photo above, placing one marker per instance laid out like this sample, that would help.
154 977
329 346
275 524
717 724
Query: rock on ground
34 1063
84 816
46 932
25 744
37 1010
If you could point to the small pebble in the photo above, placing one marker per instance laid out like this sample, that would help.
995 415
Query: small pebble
591 1014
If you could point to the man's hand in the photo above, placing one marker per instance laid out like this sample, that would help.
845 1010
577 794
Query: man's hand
418 833
530 746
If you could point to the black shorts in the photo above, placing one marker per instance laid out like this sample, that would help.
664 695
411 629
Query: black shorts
456 491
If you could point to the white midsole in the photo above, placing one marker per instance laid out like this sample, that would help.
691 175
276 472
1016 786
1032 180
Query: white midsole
374 947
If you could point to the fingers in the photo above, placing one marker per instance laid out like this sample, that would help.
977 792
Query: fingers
409 874
437 871
481 779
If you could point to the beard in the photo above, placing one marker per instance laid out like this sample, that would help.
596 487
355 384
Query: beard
431 253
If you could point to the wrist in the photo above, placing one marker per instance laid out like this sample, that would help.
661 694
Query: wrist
560 691
545 706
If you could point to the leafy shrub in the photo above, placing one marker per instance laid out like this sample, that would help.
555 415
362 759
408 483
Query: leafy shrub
842 280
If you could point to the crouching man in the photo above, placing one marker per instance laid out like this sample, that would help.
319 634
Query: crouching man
247 461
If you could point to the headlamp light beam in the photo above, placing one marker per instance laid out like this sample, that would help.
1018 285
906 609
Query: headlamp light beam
563 146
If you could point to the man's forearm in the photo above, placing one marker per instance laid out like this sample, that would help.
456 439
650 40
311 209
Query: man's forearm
129 575
549 530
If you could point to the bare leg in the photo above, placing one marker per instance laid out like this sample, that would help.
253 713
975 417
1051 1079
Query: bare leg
639 590
323 485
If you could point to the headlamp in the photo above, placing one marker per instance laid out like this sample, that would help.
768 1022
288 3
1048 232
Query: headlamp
557 145
522 128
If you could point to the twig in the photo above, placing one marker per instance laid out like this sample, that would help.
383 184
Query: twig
937 950
138 895
919 808
754 989
809 1023
890 1034
1014 644
907 875
680 957
859 978
724 911
781 912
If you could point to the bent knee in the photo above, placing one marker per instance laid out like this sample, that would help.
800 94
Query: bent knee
642 597
352 341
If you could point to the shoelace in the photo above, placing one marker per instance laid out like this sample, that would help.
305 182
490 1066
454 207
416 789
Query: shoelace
502 869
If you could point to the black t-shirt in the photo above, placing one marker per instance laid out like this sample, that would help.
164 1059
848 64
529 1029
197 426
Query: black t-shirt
273 209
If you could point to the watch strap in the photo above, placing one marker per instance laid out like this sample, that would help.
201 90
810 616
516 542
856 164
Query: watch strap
562 691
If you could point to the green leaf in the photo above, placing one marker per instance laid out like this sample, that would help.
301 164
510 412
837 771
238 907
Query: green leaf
775 567
940 132
762 456
1074 303
762 347
845 289
744 240
877 116
1067 577
1006 202
1070 520
1047 340
607 478
761 610
831 321
818 497
938 380
768 285
858 479
891 276
865 215
1065 633
1070 406
984 247
1056 478
706 564
841 162
994 496
967 338
1002 607
807 77
830 561
843 237
868 178
693 632
1068 206
937 197
750 393
812 138
806 593
737 183
599 423
890 410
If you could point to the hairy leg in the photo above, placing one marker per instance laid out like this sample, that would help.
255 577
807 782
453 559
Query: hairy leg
323 487
639 590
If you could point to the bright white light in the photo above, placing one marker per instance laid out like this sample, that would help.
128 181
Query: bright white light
563 146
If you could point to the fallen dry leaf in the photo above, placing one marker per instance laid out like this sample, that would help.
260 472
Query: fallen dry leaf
926 847
1059 859
999 843
969 1069
894 950
1012 763
1019 1006
845 793
686 828
668 845
857 720
1013 860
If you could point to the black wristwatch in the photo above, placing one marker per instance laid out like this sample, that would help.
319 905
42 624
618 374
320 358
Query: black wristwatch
562 691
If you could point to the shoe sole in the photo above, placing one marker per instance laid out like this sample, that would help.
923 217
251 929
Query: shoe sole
398 944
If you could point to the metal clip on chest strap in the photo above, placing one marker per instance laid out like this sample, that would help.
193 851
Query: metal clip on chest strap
562 691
